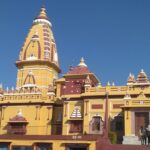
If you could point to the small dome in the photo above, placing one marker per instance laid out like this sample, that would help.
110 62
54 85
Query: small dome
18 118
19 114
80 69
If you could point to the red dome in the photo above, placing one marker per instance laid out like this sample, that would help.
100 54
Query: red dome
79 70
17 119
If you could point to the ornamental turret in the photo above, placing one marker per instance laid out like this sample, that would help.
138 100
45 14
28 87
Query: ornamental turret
78 79
142 77
131 79
38 60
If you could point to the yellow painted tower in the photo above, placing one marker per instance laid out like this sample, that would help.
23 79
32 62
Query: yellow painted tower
38 64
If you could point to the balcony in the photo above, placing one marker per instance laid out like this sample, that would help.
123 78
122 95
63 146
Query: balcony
16 130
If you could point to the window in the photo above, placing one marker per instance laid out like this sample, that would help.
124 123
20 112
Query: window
22 148
119 123
4 146
76 147
96 123
44 146
75 126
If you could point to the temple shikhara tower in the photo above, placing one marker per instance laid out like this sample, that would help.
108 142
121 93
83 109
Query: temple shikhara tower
71 112
38 64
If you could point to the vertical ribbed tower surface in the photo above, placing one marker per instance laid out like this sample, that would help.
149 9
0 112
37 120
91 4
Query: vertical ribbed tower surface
38 59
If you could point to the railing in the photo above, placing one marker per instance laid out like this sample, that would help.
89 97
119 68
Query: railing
104 89
141 102
95 89
21 97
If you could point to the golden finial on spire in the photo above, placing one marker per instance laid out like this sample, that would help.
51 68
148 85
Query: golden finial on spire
42 17
82 63
42 11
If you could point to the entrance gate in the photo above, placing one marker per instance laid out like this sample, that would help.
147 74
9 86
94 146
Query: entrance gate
141 119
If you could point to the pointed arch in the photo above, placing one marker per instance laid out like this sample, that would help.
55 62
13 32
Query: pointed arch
39 49
30 79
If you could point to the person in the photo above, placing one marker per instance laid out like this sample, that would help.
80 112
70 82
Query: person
148 134
142 134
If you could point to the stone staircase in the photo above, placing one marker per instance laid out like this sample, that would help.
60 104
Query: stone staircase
131 140
104 144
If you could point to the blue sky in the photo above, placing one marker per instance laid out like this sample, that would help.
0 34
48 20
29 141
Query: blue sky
112 35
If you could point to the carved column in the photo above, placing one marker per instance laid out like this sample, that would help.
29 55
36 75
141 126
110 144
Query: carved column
66 108
86 107
37 113
49 109
3 112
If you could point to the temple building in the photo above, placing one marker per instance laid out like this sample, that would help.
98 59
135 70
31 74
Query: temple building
72 112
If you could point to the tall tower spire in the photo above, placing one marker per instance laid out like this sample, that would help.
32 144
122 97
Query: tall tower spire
38 54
